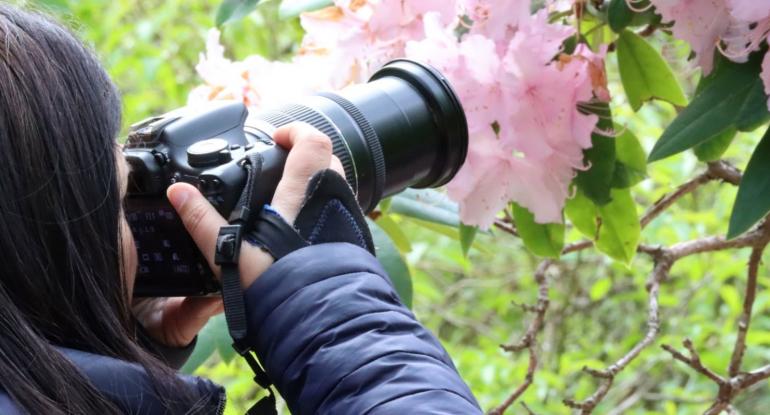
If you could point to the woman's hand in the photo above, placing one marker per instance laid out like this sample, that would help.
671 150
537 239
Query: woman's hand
175 321
309 152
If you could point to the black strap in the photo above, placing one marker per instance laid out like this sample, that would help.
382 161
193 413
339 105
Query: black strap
274 235
227 255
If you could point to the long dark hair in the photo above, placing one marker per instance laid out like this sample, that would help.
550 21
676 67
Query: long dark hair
61 279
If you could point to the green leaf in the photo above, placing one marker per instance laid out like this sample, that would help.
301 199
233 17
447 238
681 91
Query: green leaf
631 165
754 111
596 182
395 233
726 96
620 229
731 297
619 15
467 235
645 74
59 6
427 205
231 10
752 202
440 229
600 288
293 8
582 212
385 205
212 337
392 262
713 149
541 239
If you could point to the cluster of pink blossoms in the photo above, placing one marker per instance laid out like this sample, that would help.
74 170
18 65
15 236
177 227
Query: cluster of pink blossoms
735 27
519 90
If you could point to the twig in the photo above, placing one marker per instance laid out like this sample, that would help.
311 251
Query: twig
577 246
606 377
717 170
529 340
664 258
748 303
506 227
693 360
735 381
526 408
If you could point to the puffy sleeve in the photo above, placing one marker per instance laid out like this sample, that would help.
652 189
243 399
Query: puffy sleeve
335 338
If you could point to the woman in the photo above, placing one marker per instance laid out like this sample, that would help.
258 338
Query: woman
324 320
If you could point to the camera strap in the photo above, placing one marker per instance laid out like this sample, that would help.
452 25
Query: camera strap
329 213
228 249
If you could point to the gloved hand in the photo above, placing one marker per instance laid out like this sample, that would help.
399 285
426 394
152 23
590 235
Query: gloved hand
329 213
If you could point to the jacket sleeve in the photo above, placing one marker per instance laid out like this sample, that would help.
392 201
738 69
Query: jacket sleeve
335 338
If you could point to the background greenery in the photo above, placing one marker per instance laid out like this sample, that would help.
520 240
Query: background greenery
598 307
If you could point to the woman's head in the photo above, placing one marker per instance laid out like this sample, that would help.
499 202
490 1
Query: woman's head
61 278
60 204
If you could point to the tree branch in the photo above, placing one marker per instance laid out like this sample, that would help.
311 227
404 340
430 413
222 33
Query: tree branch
693 360
507 227
664 258
717 170
735 381
748 303
529 340
663 263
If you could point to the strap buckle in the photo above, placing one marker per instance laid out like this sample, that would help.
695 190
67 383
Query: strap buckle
228 245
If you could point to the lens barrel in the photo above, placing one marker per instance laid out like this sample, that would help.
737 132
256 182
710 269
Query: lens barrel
404 128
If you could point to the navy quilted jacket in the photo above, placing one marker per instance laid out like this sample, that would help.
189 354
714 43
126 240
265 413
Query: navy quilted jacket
334 338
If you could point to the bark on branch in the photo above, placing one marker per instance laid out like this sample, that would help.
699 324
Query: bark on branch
664 258
529 340
735 381
606 377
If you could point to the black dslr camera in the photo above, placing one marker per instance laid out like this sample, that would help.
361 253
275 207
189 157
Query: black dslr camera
404 128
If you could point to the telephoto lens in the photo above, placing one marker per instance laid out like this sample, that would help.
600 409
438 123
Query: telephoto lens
404 128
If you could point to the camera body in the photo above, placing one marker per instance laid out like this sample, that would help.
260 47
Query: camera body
202 147
404 128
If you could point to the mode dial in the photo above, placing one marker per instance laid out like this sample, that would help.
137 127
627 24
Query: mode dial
209 152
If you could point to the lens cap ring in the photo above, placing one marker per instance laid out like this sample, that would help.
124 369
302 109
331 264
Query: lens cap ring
449 115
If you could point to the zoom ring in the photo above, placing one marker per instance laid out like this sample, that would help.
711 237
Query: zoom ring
291 113
372 143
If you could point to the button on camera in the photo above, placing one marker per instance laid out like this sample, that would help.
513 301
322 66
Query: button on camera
209 152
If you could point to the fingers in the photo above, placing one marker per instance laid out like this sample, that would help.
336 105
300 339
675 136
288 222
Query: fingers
201 308
311 151
336 165
200 219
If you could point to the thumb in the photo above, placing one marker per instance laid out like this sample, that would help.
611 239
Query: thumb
200 219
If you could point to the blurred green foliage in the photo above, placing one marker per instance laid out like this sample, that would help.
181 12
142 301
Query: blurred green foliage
151 47
598 306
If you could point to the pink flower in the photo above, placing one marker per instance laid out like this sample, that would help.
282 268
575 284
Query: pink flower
256 81
491 177
496 19
362 35
749 10
739 26
527 135
519 91
701 23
